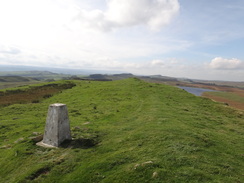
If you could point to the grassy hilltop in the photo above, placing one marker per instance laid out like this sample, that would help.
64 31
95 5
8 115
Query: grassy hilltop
123 131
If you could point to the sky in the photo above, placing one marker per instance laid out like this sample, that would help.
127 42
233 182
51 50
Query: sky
198 39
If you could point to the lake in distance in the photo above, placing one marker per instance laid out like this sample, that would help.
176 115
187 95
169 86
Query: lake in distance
196 91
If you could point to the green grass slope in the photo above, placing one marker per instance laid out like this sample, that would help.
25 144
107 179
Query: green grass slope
125 131
228 95
10 79
13 79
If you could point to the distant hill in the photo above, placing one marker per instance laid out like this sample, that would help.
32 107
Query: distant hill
129 75
111 77
159 78
28 73
13 79
36 75
69 71
49 73
18 78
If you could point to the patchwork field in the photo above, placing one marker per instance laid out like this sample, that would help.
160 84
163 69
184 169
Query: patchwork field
32 94
232 96
234 99
123 131
18 78
231 93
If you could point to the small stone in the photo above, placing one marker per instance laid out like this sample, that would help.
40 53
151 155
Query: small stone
45 145
37 138
19 140
35 133
136 166
77 128
8 146
147 162
86 123
155 174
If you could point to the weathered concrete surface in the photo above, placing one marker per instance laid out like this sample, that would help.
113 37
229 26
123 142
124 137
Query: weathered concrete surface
57 126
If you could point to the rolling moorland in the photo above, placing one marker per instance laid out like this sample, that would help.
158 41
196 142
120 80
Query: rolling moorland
123 131
230 93
18 78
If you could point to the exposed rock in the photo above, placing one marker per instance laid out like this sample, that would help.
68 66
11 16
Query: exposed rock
8 146
86 123
37 138
76 128
136 166
146 163
19 140
143 164
35 133
155 174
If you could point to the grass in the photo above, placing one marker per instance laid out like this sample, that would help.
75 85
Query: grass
19 78
234 99
33 93
14 81
229 95
125 131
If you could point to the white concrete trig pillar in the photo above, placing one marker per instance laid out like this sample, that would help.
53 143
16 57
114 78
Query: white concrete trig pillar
57 126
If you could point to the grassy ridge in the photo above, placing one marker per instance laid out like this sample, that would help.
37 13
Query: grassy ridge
125 131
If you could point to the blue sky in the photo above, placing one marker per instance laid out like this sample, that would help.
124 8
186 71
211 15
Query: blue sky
199 39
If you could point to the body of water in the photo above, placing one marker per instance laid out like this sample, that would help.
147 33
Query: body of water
195 91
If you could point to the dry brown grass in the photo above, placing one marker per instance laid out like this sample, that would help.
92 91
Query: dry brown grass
31 95
231 88
235 104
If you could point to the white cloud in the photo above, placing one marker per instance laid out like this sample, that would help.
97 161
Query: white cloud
158 63
152 13
166 66
29 23
63 33
44 30
226 64
164 63
9 50
47 29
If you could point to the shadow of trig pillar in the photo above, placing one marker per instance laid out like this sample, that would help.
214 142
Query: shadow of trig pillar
57 127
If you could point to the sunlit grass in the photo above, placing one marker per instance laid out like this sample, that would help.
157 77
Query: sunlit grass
140 132
229 95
